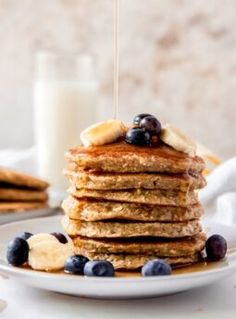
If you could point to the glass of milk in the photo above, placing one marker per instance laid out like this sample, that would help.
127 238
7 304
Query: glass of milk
65 98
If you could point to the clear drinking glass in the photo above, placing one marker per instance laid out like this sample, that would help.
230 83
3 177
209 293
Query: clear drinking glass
65 98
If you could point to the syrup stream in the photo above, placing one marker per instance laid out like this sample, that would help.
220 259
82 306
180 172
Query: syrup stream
116 56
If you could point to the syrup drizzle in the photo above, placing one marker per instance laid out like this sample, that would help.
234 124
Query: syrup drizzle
116 56
197 267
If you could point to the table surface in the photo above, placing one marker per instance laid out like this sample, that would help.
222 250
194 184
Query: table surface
215 301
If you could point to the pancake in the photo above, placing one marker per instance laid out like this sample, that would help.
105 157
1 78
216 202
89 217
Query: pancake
126 158
162 248
114 229
114 181
90 210
14 194
6 207
142 196
12 177
129 262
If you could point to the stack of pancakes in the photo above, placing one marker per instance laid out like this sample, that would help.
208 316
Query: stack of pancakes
129 204
20 192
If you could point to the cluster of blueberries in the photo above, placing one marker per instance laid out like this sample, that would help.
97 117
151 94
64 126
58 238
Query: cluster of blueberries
146 126
18 250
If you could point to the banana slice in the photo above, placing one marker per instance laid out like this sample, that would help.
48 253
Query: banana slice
49 255
36 239
175 138
102 133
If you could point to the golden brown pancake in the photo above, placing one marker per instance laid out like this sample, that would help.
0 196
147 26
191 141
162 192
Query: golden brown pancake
114 181
6 207
92 210
159 247
125 158
13 194
141 196
129 262
12 177
115 229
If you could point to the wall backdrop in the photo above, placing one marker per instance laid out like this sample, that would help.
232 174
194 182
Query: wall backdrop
178 60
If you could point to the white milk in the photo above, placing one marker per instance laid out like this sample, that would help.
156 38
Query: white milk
63 108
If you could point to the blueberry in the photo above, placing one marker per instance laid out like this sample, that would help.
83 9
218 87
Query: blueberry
151 124
75 264
156 267
17 251
100 268
62 238
24 235
138 136
216 247
139 117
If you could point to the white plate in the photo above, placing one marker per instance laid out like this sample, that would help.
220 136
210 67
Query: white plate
110 287
9 217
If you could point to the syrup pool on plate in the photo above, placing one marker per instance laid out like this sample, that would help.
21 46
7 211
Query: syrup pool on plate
198 267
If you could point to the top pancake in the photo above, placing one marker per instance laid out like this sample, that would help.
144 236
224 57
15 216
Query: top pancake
122 157
13 178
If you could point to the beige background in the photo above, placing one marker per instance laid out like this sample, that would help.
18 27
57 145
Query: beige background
178 60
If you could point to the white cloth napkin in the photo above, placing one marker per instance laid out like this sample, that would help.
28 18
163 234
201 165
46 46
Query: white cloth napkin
22 160
219 196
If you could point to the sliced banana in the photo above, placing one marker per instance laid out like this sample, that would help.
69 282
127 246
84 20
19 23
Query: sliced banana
175 138
102 133
49 255
35 239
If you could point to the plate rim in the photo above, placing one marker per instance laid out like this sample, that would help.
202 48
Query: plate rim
52 276
10 217
19 272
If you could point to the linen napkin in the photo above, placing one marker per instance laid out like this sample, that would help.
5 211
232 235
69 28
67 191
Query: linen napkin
22 160
219 196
